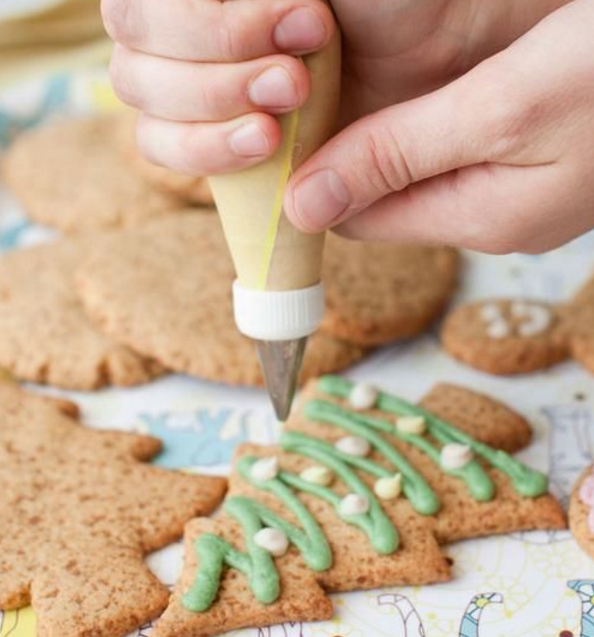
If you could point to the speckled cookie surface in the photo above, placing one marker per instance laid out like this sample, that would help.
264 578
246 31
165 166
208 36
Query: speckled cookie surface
45 335
356 563
72 176
579 514
465 335
81 512
377 292
165 290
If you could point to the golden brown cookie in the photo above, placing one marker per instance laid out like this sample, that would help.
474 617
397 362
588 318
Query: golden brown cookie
73 176
165 291
506 336
377 292
390 482
81 511
581 512
46 336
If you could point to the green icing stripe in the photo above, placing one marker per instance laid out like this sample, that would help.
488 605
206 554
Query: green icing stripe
526 481
422 497
478 482
376 524
256 564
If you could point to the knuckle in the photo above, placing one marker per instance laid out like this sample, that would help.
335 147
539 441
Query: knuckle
121 78
119 19
390 169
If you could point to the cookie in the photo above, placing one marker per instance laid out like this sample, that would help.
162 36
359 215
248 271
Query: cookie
193 190
81 510
72 176
507 336
377 292
46 336
581 512
361 493
165 291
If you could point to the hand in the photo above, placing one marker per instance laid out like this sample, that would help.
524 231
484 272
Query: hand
209 75
499 160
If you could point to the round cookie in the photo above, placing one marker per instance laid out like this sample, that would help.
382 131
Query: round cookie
165 290
581 515
377 292
506 337
46 336
72 175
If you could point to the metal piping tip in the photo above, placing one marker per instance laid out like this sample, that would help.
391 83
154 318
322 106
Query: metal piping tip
281 364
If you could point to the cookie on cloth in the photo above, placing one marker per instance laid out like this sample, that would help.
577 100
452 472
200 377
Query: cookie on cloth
45 335
72 176
377 292
81 509
165 291
581 511
507 336
360 493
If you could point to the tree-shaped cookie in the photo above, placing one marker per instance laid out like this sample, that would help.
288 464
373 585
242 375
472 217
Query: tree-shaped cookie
506 336
360 493
80 510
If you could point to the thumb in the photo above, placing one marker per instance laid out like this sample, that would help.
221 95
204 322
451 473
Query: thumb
386 152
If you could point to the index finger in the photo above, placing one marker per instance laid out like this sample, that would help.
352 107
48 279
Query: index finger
218 31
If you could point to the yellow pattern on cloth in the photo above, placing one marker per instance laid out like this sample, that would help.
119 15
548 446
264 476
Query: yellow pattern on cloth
67 35
18 623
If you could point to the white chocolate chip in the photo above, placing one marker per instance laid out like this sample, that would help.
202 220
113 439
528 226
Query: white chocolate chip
265 469
354 504
274 541
539 320
322 476
455 456
388 488
411 425
520 309
363 396
490 312
353 446
499 329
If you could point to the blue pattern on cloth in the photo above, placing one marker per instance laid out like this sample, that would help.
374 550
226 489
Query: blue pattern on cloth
198 441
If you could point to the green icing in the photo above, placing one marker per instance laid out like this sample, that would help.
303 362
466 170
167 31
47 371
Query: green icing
526 481
214 553
478 482
422 497
376 524
256 564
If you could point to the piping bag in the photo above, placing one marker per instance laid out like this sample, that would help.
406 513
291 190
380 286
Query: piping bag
278 296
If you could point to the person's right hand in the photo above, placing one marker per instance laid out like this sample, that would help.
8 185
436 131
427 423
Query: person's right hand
210 75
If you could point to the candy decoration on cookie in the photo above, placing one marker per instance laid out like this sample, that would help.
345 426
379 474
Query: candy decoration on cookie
268 535
520 336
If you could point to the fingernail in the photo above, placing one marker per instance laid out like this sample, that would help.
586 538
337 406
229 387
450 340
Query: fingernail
249 141
300 30
273 88
321 199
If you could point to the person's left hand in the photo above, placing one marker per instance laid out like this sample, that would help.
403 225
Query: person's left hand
499 160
